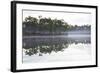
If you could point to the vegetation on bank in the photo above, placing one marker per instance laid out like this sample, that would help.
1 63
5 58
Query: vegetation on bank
43 25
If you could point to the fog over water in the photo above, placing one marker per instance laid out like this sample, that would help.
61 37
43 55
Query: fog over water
69 47
41 45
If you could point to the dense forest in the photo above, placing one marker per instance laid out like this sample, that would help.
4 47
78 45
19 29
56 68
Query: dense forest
43 25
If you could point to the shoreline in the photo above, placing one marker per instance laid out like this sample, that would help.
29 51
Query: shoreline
59 36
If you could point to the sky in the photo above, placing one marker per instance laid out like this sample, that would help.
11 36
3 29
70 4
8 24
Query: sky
73 18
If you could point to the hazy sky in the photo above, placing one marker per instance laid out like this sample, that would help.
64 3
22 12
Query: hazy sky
70 18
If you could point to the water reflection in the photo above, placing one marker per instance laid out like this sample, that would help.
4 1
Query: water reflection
40 45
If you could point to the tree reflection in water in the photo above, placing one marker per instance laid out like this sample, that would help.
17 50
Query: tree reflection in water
40 46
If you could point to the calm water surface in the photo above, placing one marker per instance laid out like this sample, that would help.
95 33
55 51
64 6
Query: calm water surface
56 48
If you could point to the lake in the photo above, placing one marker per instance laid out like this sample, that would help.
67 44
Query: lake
60 48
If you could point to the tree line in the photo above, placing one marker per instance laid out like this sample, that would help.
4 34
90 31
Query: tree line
40 25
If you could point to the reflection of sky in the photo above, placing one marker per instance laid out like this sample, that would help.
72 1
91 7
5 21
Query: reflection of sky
71 18
79 52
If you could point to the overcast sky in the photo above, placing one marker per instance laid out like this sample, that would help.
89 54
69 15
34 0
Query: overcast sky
70 18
